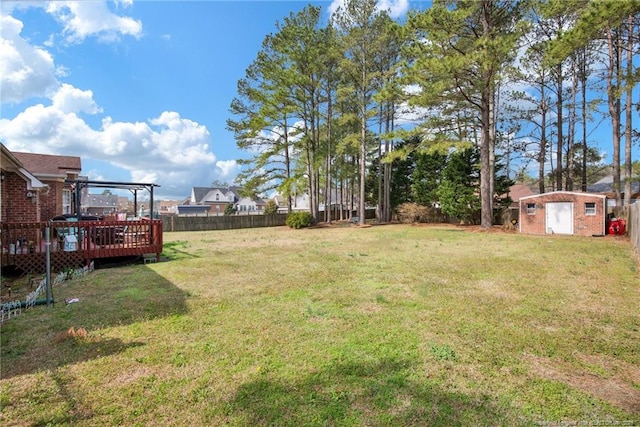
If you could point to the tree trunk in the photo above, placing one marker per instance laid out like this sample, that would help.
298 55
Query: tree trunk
486 216
387 168
583 87
486 143
571 128
363 167
560 146
543 141
328 189
613 87
381 206
628 122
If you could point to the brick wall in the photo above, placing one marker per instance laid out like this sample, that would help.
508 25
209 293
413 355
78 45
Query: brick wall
583 224
51 200
16 206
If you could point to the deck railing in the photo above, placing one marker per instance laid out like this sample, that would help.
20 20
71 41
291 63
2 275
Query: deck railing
74 243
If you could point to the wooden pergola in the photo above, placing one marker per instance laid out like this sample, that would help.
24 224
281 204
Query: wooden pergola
133 187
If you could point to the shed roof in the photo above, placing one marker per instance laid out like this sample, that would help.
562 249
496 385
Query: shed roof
573 193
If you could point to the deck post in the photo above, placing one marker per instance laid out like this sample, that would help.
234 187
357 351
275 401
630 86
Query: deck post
47 257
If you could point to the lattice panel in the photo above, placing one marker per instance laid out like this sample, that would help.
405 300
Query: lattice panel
60 261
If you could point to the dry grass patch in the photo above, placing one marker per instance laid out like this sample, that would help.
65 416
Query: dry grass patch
617 389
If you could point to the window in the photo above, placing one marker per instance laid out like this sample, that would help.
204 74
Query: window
66 201
531 208
590 208
217 197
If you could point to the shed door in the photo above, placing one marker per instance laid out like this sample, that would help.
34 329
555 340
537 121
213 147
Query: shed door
559 218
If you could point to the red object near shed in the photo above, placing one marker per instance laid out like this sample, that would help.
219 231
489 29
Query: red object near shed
617 226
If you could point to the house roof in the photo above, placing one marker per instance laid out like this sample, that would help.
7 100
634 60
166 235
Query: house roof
47 165
517 191
9 159
573 193
605 185
100 200
11 163
200 194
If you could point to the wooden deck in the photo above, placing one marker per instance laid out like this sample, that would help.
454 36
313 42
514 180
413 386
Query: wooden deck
75 244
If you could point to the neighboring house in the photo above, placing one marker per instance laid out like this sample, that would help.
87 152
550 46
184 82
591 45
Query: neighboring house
217 199
516 192
299 203
99 204
197 210
605 186
563 212
302 203
167 207
247 205
125 204
34 186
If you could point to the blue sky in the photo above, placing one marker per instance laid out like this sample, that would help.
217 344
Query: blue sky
139 90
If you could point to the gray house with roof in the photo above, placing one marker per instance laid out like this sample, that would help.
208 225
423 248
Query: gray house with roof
217 199
605 186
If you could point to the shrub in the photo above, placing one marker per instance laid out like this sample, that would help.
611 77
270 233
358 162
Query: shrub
299 219
411 213
270 208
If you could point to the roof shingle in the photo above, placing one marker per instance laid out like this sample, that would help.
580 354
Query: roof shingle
47 164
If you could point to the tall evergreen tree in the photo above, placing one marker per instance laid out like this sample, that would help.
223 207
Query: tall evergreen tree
363 27
468 44
458 190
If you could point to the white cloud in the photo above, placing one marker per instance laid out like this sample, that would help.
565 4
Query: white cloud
25 71
169 150
227 170
70 99
396 8
82 19
38 128
94 175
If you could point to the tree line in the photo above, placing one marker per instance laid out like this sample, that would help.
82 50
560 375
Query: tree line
333 109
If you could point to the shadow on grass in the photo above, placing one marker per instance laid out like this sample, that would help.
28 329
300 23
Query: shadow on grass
44 338
360 393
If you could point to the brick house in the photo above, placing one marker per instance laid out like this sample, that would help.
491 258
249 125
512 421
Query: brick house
563 212
33 185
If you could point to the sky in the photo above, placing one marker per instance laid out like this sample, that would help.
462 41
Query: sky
140 91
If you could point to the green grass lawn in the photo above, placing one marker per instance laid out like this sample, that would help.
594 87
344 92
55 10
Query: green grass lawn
391 325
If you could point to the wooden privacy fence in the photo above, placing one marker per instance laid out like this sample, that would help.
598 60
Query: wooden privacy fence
633 226
230 222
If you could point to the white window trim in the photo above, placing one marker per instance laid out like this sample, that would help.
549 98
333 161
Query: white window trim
531 211
66 201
